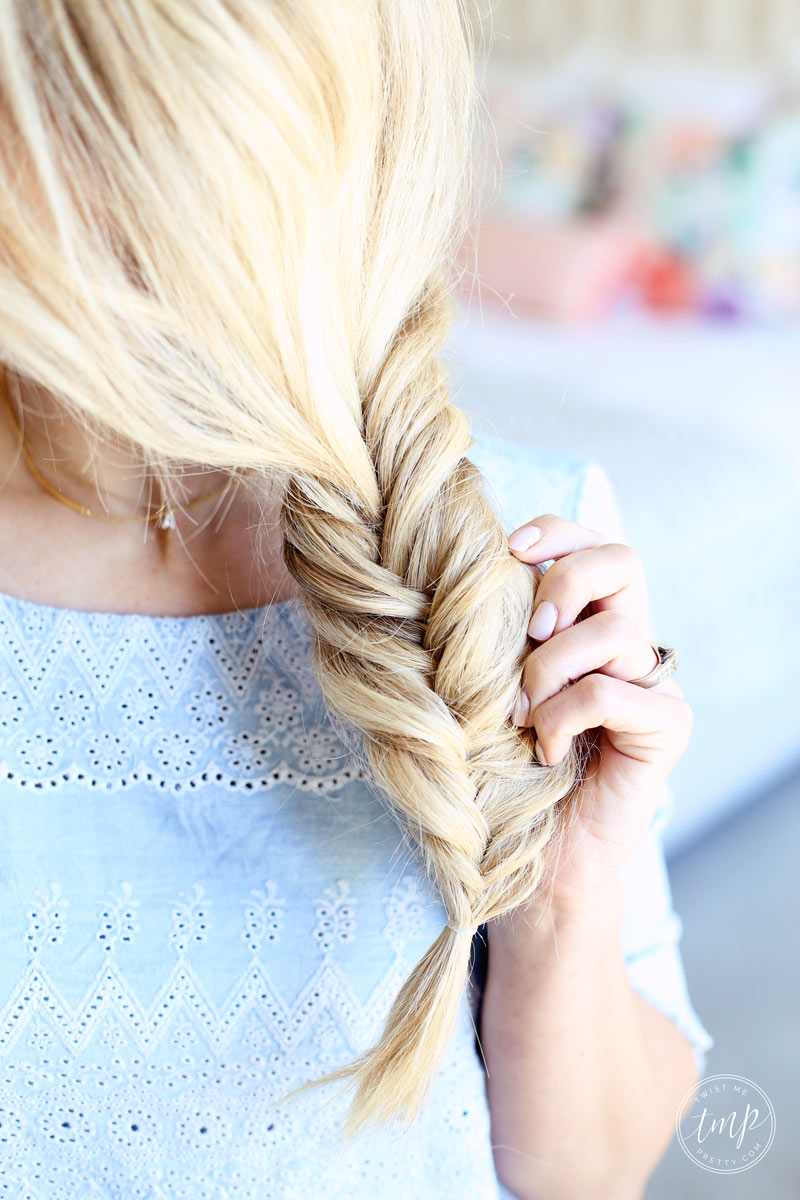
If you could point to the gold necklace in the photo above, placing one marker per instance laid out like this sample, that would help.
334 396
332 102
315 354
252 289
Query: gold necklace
164 517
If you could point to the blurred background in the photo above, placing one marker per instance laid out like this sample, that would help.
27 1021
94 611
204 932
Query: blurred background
632 295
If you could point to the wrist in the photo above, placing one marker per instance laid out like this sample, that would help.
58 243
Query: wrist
560 920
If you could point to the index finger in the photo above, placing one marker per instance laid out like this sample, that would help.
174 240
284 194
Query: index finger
588 572
551 536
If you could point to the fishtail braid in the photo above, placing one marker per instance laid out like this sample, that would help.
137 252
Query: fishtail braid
419 617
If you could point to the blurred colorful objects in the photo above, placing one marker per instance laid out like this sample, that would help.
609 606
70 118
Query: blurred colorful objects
561 271
675 185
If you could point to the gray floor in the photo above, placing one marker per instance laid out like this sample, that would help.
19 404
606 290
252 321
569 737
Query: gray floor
738 894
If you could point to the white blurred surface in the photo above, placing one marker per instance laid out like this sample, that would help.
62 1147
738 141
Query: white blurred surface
739 895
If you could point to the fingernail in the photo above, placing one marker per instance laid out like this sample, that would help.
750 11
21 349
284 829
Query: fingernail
524 537
537 749
523 708
543 621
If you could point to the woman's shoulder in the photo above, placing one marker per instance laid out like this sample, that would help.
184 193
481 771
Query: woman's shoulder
526 480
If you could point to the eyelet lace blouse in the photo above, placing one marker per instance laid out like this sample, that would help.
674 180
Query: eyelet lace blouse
204 905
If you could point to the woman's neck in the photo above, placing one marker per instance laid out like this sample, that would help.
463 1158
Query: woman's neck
104 474
220 557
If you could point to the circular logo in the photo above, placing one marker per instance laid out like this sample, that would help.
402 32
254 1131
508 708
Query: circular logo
725 1124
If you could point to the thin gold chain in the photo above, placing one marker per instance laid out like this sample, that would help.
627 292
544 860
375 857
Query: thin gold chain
164 515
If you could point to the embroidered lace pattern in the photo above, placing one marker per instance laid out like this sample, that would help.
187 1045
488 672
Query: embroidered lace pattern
203 906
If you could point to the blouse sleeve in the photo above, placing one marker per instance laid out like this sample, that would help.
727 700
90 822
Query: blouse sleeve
651 929
650 933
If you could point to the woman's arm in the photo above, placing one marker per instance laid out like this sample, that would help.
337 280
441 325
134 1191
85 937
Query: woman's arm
584 1077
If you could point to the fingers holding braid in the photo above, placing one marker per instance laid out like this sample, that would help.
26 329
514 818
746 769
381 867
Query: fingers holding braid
419 614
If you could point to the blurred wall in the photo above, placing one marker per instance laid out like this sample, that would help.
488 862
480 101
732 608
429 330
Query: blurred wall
736 31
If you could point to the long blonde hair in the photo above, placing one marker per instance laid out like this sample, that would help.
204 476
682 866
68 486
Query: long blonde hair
241 255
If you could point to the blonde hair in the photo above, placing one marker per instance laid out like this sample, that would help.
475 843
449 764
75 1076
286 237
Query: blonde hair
241 254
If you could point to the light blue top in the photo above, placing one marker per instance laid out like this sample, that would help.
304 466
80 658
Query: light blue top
203 905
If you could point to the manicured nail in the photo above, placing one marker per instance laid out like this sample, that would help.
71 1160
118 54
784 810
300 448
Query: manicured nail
543 621
523 708
523 538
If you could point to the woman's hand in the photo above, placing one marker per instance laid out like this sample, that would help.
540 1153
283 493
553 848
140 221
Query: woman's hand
592 626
